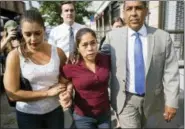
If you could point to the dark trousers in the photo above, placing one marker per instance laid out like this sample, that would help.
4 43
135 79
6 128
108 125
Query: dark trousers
86 122
51 120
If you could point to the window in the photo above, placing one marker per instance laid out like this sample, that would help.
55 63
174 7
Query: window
174 24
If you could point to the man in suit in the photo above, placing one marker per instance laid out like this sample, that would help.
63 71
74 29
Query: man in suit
145 77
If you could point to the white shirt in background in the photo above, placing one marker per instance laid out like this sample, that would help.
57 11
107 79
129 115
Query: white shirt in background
59 36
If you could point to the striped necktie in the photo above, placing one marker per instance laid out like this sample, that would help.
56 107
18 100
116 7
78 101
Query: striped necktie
71 40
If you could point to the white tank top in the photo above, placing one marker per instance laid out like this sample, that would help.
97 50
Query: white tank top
41 77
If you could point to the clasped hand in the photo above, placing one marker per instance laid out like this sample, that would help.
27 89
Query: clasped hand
65 99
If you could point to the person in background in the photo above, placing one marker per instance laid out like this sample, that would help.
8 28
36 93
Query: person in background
11 38
90 76
144 71
39 62
116 23
63 36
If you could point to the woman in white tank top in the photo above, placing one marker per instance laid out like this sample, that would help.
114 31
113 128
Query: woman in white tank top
39 62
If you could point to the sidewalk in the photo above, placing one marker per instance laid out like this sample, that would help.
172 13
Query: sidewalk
8 117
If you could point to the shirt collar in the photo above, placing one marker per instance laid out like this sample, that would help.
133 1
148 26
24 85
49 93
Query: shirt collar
67 26
142 31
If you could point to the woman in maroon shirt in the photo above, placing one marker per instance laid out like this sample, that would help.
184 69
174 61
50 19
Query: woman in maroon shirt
90 76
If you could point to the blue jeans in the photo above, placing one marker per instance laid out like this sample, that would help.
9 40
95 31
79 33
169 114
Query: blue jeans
86 122
51 120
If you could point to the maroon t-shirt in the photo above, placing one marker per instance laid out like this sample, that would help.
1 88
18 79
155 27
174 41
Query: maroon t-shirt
91 89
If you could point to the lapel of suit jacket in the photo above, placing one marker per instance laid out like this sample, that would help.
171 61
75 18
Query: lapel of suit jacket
125 45
150 44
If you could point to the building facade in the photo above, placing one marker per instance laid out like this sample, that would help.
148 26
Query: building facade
10 10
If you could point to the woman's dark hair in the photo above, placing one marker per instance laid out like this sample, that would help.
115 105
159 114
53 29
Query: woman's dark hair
78 38
81 32
30 16
118 19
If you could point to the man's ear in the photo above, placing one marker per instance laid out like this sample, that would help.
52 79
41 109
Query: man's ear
61 15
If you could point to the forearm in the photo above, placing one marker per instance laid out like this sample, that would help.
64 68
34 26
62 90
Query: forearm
22 95
171 78
3 44
36 95
66 84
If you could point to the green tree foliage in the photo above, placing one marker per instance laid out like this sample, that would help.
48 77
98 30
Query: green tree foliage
52 10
